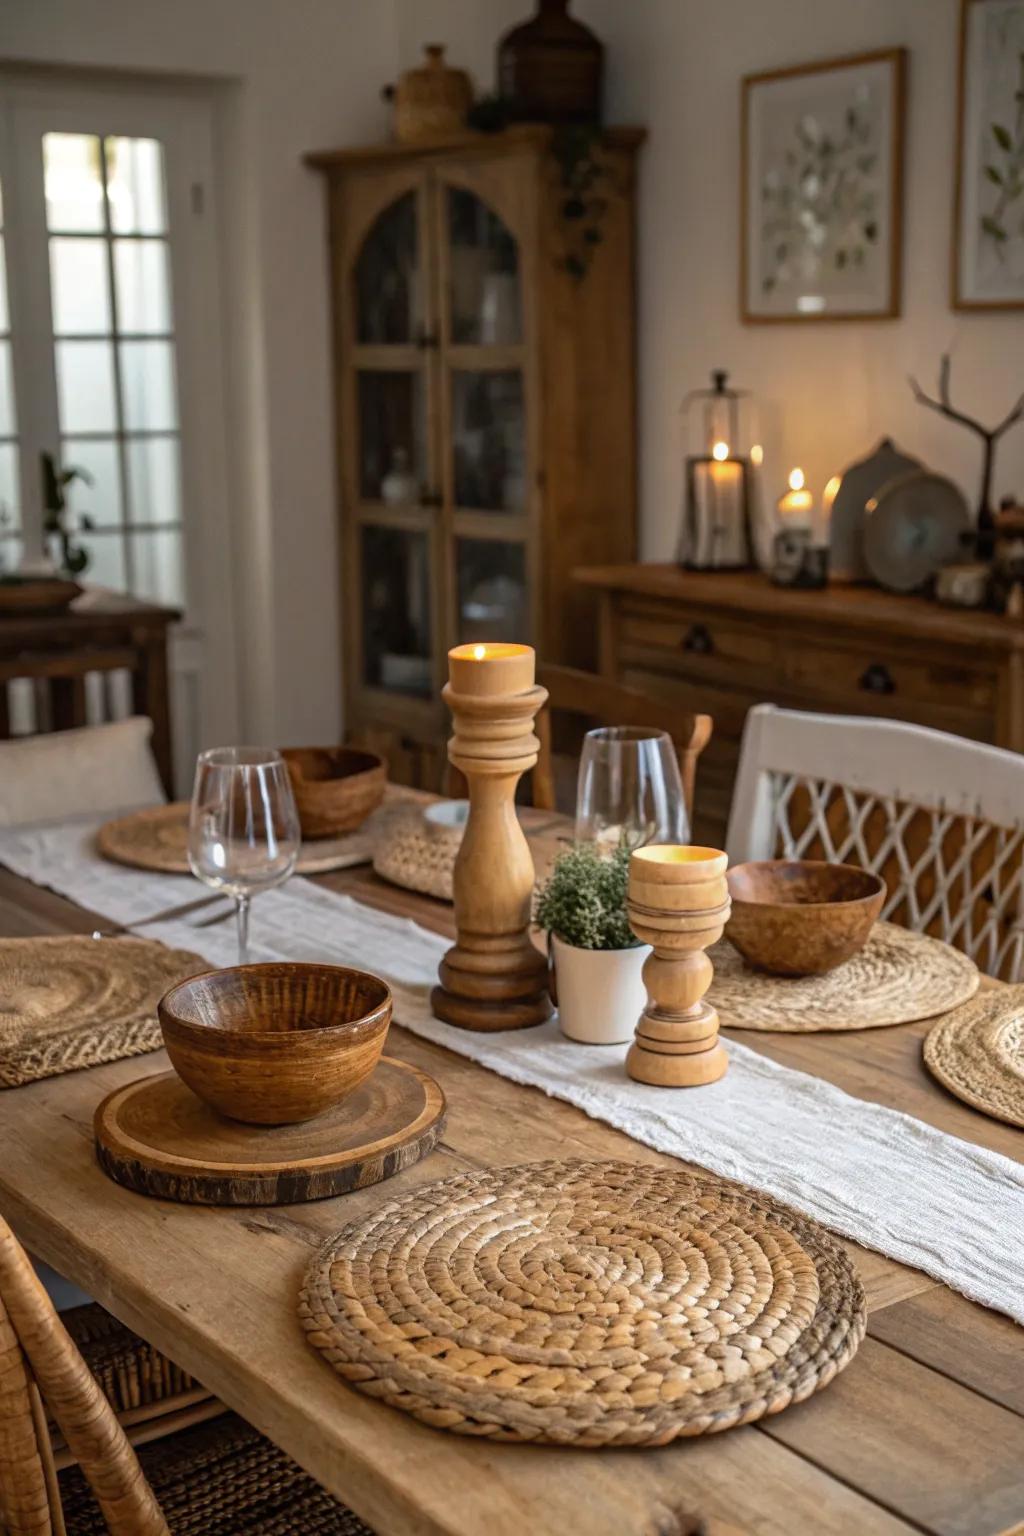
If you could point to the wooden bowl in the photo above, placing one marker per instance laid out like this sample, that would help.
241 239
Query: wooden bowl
800 917
275 1044
335 788
37 594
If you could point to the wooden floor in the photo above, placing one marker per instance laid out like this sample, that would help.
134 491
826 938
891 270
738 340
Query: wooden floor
923 1433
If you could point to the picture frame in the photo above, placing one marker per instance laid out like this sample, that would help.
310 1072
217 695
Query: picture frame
821 210
988 201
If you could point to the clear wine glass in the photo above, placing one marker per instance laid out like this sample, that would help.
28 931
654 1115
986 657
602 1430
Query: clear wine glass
243 827
629 790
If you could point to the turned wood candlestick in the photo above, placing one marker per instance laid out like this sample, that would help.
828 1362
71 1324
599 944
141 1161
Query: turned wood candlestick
678 902
493 977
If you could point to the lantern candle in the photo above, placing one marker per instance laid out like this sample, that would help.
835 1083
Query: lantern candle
796 506
718 492
485 671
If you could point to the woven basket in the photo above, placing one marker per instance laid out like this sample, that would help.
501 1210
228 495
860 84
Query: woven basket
417 847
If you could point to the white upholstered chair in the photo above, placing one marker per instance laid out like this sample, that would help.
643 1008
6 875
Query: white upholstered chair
939 817
97 769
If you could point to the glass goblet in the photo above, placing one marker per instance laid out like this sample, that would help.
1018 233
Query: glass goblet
629 790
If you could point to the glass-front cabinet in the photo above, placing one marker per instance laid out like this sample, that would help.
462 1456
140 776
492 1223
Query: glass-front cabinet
450 348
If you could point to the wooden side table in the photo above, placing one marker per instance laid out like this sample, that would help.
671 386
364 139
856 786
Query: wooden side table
100 632
719 642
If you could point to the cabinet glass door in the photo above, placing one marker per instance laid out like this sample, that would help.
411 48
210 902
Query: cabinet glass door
391 474
491 590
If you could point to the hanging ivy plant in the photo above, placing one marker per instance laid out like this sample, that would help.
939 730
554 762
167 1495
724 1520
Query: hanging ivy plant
582 171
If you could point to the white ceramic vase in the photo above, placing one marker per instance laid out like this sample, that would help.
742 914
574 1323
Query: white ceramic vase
600 992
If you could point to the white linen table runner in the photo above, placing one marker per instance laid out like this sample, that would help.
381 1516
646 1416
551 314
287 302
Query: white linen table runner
873 1174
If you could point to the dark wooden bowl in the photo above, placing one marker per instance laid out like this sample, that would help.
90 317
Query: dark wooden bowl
335 788
275 1044
800 917
37 594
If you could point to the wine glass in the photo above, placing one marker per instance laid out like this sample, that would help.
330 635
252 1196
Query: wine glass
629 790
243 827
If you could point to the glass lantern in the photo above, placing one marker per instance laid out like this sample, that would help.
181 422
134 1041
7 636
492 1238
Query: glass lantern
719 485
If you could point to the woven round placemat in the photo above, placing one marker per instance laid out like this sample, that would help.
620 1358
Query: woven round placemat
417 854
584 1303
898 977
68 1002
977 1052
157 839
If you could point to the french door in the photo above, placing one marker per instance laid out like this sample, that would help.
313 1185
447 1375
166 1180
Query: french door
110 362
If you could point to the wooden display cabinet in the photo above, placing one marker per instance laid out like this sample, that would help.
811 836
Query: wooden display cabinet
485 413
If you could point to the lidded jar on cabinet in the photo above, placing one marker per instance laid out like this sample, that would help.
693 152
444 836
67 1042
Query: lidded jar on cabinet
550 68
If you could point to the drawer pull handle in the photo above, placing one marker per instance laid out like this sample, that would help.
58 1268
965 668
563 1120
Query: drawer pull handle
698 640
877 679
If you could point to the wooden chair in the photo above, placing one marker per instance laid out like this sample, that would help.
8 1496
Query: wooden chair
937 816
605 702
39 1363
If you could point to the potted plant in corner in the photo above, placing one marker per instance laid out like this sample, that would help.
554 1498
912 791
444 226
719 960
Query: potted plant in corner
597 958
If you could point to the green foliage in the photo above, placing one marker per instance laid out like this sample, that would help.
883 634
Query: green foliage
584 900
1007 174
73 557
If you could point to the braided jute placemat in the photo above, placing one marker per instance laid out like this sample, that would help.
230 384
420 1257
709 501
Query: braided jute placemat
584 1303
977 1052
897 978
157 839
71 1002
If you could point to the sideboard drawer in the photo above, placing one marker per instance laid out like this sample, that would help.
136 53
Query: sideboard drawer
696 639
853 675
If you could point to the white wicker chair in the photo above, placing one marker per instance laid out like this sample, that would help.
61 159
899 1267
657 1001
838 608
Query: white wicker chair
939 817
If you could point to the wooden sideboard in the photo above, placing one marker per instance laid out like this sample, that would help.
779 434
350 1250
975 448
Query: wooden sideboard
722 642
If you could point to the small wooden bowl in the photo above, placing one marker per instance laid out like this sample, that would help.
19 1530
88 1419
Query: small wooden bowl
335 788
800 917
275 1044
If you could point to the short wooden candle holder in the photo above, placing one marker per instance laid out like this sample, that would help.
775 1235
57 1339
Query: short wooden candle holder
678 902
493 977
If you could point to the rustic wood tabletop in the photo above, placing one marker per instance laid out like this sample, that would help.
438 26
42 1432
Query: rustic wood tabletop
923 1433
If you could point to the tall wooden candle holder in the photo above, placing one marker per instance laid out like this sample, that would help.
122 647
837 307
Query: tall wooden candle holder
493 977
678 902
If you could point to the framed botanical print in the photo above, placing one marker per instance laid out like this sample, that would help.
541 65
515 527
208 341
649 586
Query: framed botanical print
822 190
988 221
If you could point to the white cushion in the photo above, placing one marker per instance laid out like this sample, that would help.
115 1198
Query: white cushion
99 769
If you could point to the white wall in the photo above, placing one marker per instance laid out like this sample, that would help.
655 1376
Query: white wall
302 74
833 389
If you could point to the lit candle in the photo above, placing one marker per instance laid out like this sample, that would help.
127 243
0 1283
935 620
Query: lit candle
828 497
718 492
796 505
487 670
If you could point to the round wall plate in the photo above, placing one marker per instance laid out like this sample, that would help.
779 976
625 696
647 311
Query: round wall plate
914 525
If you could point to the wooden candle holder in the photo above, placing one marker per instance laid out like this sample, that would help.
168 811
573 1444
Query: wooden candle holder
678 902
493 977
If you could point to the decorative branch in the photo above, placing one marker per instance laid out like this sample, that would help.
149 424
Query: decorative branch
989 436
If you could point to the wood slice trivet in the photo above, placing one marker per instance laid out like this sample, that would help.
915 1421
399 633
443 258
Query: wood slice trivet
584 1303
156 1137
157 840
897 978
977 1052
71 1002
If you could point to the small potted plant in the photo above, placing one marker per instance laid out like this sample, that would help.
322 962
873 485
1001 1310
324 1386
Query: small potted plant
596 956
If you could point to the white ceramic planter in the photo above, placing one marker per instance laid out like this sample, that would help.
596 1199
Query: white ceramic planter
600 993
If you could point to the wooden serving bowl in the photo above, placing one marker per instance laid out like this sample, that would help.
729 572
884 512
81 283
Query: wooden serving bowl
801 917
275 1044
335 788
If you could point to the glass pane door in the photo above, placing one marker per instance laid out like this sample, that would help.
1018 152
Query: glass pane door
391 479
114 355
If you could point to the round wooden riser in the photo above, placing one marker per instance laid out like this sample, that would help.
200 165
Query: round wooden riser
156 1137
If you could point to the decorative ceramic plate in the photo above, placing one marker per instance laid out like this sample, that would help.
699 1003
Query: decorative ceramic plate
915 524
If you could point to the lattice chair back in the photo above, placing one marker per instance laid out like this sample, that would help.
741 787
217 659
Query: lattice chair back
940 818
38 1362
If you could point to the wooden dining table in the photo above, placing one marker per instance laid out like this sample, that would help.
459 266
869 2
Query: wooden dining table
924 1432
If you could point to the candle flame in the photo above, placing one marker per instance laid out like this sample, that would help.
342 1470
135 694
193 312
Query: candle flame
832 490
720 451
796 479
757 455
479 652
